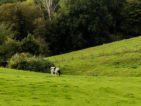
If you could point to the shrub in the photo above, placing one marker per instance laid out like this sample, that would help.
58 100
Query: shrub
25 61
17 58
7 50
2 55
11 47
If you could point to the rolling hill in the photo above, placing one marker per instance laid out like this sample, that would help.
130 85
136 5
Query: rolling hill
121 58
117 60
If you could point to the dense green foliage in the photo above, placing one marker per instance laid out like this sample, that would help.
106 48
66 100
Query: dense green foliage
38 89
25 61
122 58
8 46
25 25
7 1
132 22
82 23
30 29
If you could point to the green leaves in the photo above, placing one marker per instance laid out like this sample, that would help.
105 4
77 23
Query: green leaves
29 44
5 32
7 1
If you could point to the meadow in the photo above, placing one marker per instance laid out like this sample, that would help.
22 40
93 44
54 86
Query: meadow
121 58
24 88
107 75
104 75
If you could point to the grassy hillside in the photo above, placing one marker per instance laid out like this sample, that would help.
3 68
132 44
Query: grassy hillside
20 88
122 58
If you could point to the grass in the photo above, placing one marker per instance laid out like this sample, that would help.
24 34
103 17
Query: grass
20 88
107 75
122 58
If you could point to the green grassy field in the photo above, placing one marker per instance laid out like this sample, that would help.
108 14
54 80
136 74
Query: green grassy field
107 75
122 58
20 88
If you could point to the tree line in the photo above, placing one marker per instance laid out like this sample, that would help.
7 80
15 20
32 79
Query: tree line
50 27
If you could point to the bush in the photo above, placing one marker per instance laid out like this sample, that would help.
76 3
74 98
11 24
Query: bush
2 55
11 47
25 61
17 58
7 50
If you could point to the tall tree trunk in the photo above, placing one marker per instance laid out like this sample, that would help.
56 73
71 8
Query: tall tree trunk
49 6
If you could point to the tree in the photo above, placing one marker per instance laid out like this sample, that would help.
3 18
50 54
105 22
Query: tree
21 25
7 1
5 32
49 6
132 19
8 46
116 8
80 24
30 45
